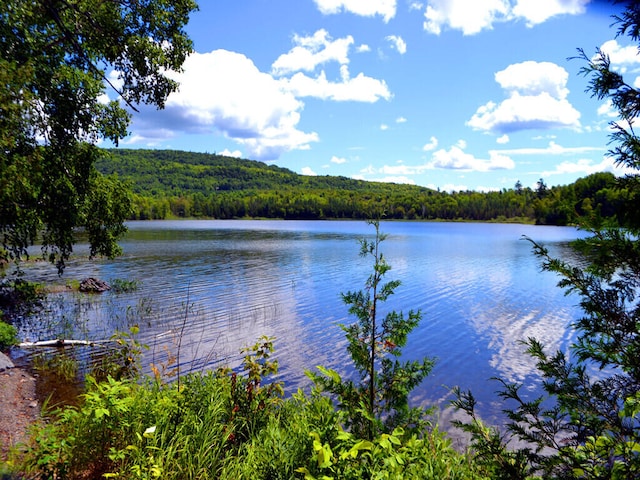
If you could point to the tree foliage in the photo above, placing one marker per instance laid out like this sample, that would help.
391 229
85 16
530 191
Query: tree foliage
588 424
57 59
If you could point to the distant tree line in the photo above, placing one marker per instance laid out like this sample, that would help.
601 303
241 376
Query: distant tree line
170 184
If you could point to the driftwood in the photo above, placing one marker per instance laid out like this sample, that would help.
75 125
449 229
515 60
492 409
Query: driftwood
62 343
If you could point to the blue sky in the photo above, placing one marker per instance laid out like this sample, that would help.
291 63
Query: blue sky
448 94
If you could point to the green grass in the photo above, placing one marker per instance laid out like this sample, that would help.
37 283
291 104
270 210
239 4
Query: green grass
119 285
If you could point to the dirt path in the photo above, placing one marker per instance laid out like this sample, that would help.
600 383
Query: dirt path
18 406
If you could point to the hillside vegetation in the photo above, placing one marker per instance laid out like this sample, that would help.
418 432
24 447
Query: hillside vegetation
170 183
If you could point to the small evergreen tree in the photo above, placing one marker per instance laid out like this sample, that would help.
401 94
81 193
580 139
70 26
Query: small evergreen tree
379 401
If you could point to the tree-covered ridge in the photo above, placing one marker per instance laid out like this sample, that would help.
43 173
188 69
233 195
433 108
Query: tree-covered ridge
170 183
178 172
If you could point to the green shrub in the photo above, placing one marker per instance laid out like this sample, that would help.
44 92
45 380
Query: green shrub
283 445
8 335
397 455
143 428
28 291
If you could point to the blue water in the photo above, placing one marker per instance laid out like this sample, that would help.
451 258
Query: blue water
209 288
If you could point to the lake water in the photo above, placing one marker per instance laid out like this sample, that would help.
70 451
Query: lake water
209 288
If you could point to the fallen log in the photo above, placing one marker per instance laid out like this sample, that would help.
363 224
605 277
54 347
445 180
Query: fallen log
60 342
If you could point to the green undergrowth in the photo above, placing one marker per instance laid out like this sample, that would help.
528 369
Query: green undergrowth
8 335
223 424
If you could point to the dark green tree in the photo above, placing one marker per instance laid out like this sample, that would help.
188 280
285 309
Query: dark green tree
541 188
588 423
518 187
379 401
57 59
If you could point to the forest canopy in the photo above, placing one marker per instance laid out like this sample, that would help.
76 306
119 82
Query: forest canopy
170 183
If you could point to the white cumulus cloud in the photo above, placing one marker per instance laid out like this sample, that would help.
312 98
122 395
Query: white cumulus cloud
244 104
228 153
258 110
585 166
398 43
536 100
366 8
534 78
338 160
538 11
309 52
607 110
396 179
468 16
620 56
359 89
318 49
624 59
471 17
450 187
457 159
431 145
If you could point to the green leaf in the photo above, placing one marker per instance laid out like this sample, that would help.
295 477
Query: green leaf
362 445
332 374
101 412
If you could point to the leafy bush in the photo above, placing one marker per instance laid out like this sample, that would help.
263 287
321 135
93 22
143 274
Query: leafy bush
396 455
128 429
8 335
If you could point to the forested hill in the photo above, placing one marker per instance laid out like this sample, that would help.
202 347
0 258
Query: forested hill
169 183
176 173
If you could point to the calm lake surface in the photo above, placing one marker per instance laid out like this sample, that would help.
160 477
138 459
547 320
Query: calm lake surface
209 288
